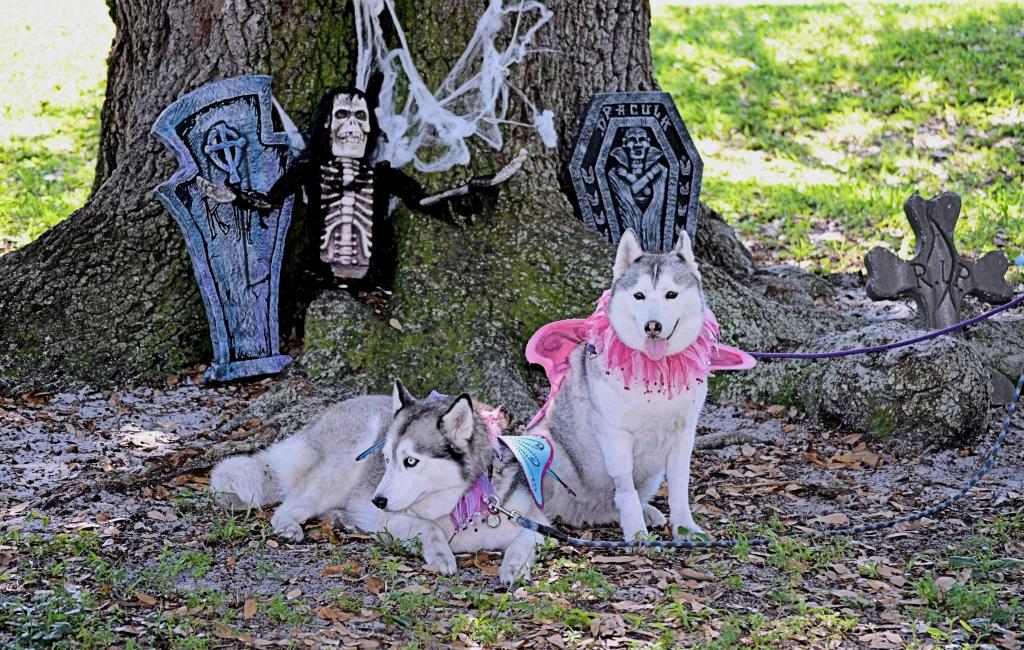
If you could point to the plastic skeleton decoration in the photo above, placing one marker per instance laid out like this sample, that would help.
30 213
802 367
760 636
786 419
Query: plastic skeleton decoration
350 196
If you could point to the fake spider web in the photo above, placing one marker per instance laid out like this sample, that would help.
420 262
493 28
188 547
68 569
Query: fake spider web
428 128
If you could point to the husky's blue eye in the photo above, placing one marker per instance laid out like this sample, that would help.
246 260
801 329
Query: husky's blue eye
411 462
671 295
638 295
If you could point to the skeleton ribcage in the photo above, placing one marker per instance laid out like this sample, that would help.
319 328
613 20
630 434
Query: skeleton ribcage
346 200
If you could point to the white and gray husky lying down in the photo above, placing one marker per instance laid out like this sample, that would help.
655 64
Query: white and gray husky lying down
434 451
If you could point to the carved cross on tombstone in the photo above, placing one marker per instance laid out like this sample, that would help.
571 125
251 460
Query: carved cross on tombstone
937 279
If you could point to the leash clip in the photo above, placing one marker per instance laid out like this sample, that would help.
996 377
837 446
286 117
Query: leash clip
494 508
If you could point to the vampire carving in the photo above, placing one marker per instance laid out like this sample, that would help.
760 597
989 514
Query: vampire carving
349 196
635 167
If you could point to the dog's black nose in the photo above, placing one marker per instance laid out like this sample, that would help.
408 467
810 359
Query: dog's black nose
380 502
653 328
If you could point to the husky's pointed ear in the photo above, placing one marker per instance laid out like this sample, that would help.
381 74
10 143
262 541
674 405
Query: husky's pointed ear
400 397
629 252
457 423
685 252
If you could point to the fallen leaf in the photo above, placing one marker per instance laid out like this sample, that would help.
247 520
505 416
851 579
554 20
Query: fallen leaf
332 613
834 519
695 575
482 561
395 324
327 532
248 609
293 594
373 584
224 632
145 598
614 559
346 568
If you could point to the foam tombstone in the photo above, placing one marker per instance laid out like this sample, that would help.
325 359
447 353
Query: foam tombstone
938 278
635 166
224 132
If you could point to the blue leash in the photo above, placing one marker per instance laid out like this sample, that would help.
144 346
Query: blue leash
986 466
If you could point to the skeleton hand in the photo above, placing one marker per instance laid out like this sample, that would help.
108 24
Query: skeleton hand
480 184
219 193
510 169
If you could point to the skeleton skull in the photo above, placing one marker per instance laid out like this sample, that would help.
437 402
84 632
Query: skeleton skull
350 126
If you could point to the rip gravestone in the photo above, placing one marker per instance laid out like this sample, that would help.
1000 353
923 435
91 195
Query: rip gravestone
938 279
224 132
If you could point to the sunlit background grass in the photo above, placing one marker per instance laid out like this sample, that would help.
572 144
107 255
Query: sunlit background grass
815 120
52 57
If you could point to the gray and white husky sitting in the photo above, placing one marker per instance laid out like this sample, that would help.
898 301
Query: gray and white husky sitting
615 443
434 451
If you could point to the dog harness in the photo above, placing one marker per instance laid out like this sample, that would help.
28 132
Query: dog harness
552 345
534 454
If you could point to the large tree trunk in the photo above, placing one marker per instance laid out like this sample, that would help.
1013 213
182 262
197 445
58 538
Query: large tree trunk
108 295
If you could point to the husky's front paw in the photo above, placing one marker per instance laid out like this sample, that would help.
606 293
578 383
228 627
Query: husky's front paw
634 532
683 532
653 517
287 528
442 557
515 565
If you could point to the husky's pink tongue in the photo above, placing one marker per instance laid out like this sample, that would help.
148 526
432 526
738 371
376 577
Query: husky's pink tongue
655 348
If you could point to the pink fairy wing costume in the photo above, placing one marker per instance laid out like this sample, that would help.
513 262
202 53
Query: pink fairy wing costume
552 345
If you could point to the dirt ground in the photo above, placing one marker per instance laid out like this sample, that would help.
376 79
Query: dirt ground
158 566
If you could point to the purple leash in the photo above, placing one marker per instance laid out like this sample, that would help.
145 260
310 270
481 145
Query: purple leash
890 346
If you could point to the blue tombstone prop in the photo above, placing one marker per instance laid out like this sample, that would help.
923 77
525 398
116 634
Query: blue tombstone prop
224 132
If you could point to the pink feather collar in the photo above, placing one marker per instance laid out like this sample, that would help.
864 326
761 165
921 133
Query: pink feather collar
552 345
668 375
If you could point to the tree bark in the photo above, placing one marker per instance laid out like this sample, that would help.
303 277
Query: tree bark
108 295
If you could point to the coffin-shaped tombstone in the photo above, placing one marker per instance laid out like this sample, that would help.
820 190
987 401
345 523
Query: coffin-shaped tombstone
635 166
224 132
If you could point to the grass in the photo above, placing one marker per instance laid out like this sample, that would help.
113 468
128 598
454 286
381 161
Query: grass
816 121
51 92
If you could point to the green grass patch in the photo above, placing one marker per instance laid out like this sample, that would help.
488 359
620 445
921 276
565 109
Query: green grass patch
816 121
51 94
